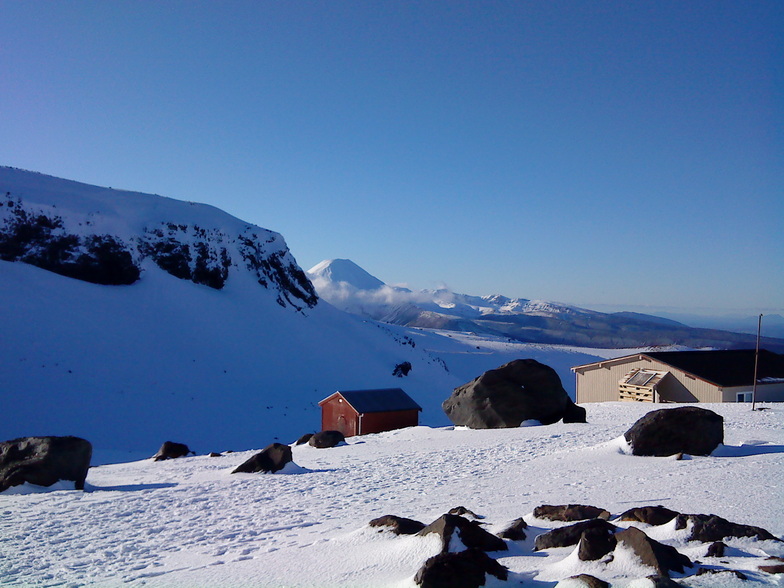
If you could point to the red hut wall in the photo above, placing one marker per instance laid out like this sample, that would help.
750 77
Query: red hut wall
377 422
337 415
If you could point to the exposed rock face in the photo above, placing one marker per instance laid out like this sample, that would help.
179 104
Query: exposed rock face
520 390
81 239
688 429
710 528
171 450
463 511
716 549
326 439
515 531
662 558
44 460
304 439
570 512
652 515
469 532
398 525
466 569
271 459
570 535
595 543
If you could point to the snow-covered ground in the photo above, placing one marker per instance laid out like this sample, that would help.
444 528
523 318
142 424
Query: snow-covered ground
189 522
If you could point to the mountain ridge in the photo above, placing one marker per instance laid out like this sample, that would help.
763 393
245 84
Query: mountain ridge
522 319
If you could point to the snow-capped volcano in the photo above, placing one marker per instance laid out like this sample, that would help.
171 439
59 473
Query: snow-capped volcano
521 319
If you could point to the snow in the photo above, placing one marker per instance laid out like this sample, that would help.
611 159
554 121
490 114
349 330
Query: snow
189 522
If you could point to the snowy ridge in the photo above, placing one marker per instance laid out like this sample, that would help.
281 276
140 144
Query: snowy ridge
112 237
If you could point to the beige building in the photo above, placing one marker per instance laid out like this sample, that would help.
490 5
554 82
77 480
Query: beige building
683 376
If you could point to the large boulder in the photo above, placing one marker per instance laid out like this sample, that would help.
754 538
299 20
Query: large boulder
470 533
326 439
466 569
570 512
571 534
171 450
710 528
271 459
652 515
44 461
518 391
662 558
688 429
398 525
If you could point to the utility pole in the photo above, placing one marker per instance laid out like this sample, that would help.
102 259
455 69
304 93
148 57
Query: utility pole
756 364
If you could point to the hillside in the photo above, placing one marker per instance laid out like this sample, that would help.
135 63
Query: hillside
166 357
532 321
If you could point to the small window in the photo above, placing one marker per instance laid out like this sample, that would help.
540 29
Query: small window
744 396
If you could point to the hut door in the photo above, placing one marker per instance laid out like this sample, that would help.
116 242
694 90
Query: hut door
343 425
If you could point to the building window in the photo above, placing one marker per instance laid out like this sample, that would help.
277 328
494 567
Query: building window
744 397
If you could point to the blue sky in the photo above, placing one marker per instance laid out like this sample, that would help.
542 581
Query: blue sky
618 153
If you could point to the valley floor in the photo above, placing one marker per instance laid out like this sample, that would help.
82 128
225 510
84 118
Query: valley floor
189 522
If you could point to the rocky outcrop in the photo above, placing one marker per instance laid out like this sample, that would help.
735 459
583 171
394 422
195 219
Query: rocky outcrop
271 459
398 525
44 461
466 569
651 515
470 533
710 528
515 531
660 557
582 581
595 543
570 535
518 391
669 431
78 240
171 450
570 512
326 439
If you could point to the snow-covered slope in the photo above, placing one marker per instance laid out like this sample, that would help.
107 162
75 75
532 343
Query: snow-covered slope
163 358
191 523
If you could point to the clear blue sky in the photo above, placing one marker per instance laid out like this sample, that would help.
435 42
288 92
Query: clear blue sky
584 152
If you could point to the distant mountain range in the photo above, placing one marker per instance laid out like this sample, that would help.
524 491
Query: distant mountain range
347 286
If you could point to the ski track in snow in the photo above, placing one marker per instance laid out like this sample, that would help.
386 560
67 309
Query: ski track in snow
189 522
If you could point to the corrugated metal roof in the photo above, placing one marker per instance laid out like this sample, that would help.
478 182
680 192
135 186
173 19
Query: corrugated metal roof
380 400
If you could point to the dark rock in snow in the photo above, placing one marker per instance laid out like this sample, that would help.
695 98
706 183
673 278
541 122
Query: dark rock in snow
469 533
402 369
687 429
172 450
716 549
663 582
570 512
44 460
326 439
520 390
304 439
585 581
463 511
271 459
662 558
214 454
398 525
466 569
710 528
570 535
595 543
574 413
652 515
514 532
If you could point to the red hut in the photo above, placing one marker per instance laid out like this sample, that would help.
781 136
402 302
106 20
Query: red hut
359 412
